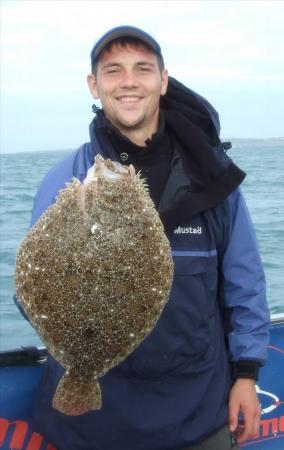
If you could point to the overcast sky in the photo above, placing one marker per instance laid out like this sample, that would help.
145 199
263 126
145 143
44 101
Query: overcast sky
229 51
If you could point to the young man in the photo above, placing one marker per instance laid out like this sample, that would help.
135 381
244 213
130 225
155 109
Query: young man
191 383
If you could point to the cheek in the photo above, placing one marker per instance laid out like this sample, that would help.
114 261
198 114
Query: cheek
157 89
105 98
104 90
156 93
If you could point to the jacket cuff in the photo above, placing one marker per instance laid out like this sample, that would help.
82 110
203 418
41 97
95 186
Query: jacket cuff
246 369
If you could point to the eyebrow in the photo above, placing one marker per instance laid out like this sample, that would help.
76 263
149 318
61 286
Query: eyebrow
118 64
145 63
110 64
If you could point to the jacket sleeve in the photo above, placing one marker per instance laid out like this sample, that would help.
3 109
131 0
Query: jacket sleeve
243 288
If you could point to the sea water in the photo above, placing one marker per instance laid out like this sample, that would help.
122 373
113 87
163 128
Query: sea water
262 160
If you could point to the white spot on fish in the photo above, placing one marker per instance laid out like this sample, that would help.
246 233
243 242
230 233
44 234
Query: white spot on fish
94 228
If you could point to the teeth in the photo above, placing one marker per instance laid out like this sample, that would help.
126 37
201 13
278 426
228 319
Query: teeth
128 99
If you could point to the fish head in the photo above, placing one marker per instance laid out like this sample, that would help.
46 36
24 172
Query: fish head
111 170
110 188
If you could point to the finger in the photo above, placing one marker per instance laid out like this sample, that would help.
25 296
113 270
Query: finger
233 417
257 422
248 426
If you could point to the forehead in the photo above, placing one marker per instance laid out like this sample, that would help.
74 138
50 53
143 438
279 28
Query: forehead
118 52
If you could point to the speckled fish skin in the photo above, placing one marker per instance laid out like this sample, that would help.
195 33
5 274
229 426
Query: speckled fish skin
93 276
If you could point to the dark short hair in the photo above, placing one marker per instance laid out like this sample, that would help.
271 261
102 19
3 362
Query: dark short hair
124 42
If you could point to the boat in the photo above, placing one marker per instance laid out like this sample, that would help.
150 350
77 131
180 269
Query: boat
20 372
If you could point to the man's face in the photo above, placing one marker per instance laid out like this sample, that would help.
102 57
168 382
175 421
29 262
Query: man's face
129 84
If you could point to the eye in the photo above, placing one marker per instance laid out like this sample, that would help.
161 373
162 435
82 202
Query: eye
144 69
112 70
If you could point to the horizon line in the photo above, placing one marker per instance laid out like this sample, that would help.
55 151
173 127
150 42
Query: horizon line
224 139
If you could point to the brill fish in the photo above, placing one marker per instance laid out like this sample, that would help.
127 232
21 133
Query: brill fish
93 276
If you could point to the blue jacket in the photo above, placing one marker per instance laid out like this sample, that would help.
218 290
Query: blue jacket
172 390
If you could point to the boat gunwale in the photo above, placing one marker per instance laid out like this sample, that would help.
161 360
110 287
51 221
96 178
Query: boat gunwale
277 319
32 355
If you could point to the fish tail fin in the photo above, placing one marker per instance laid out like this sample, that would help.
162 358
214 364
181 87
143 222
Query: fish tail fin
75 396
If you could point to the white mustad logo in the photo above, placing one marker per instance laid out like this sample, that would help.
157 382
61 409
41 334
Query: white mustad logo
188 230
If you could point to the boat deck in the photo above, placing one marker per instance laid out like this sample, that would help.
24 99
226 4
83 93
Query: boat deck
20 371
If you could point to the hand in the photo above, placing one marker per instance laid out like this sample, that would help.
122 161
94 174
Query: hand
243 399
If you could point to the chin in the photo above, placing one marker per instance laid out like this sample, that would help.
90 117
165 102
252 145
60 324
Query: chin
131 123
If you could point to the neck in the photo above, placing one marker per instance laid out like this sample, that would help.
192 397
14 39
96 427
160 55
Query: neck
139 135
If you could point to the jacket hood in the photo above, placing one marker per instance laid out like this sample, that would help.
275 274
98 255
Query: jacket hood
193 107
202 174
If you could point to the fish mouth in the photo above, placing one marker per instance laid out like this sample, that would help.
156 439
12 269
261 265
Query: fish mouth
111 170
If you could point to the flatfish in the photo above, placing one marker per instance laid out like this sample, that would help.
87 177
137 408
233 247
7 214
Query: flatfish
93 276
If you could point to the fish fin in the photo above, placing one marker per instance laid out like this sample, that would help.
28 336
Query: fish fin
131 170
75 396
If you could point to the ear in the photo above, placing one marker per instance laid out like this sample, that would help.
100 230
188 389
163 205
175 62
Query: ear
165 80
92 83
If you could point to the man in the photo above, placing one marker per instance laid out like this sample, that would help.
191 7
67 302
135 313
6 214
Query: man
191 383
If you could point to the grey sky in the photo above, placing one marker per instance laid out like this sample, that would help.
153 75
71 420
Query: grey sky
229 51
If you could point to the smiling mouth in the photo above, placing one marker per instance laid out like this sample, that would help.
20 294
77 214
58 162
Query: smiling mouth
129 99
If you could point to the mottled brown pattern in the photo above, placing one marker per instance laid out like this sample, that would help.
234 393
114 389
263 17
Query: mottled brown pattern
93 276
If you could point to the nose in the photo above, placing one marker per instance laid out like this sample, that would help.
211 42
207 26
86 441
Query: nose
128 79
